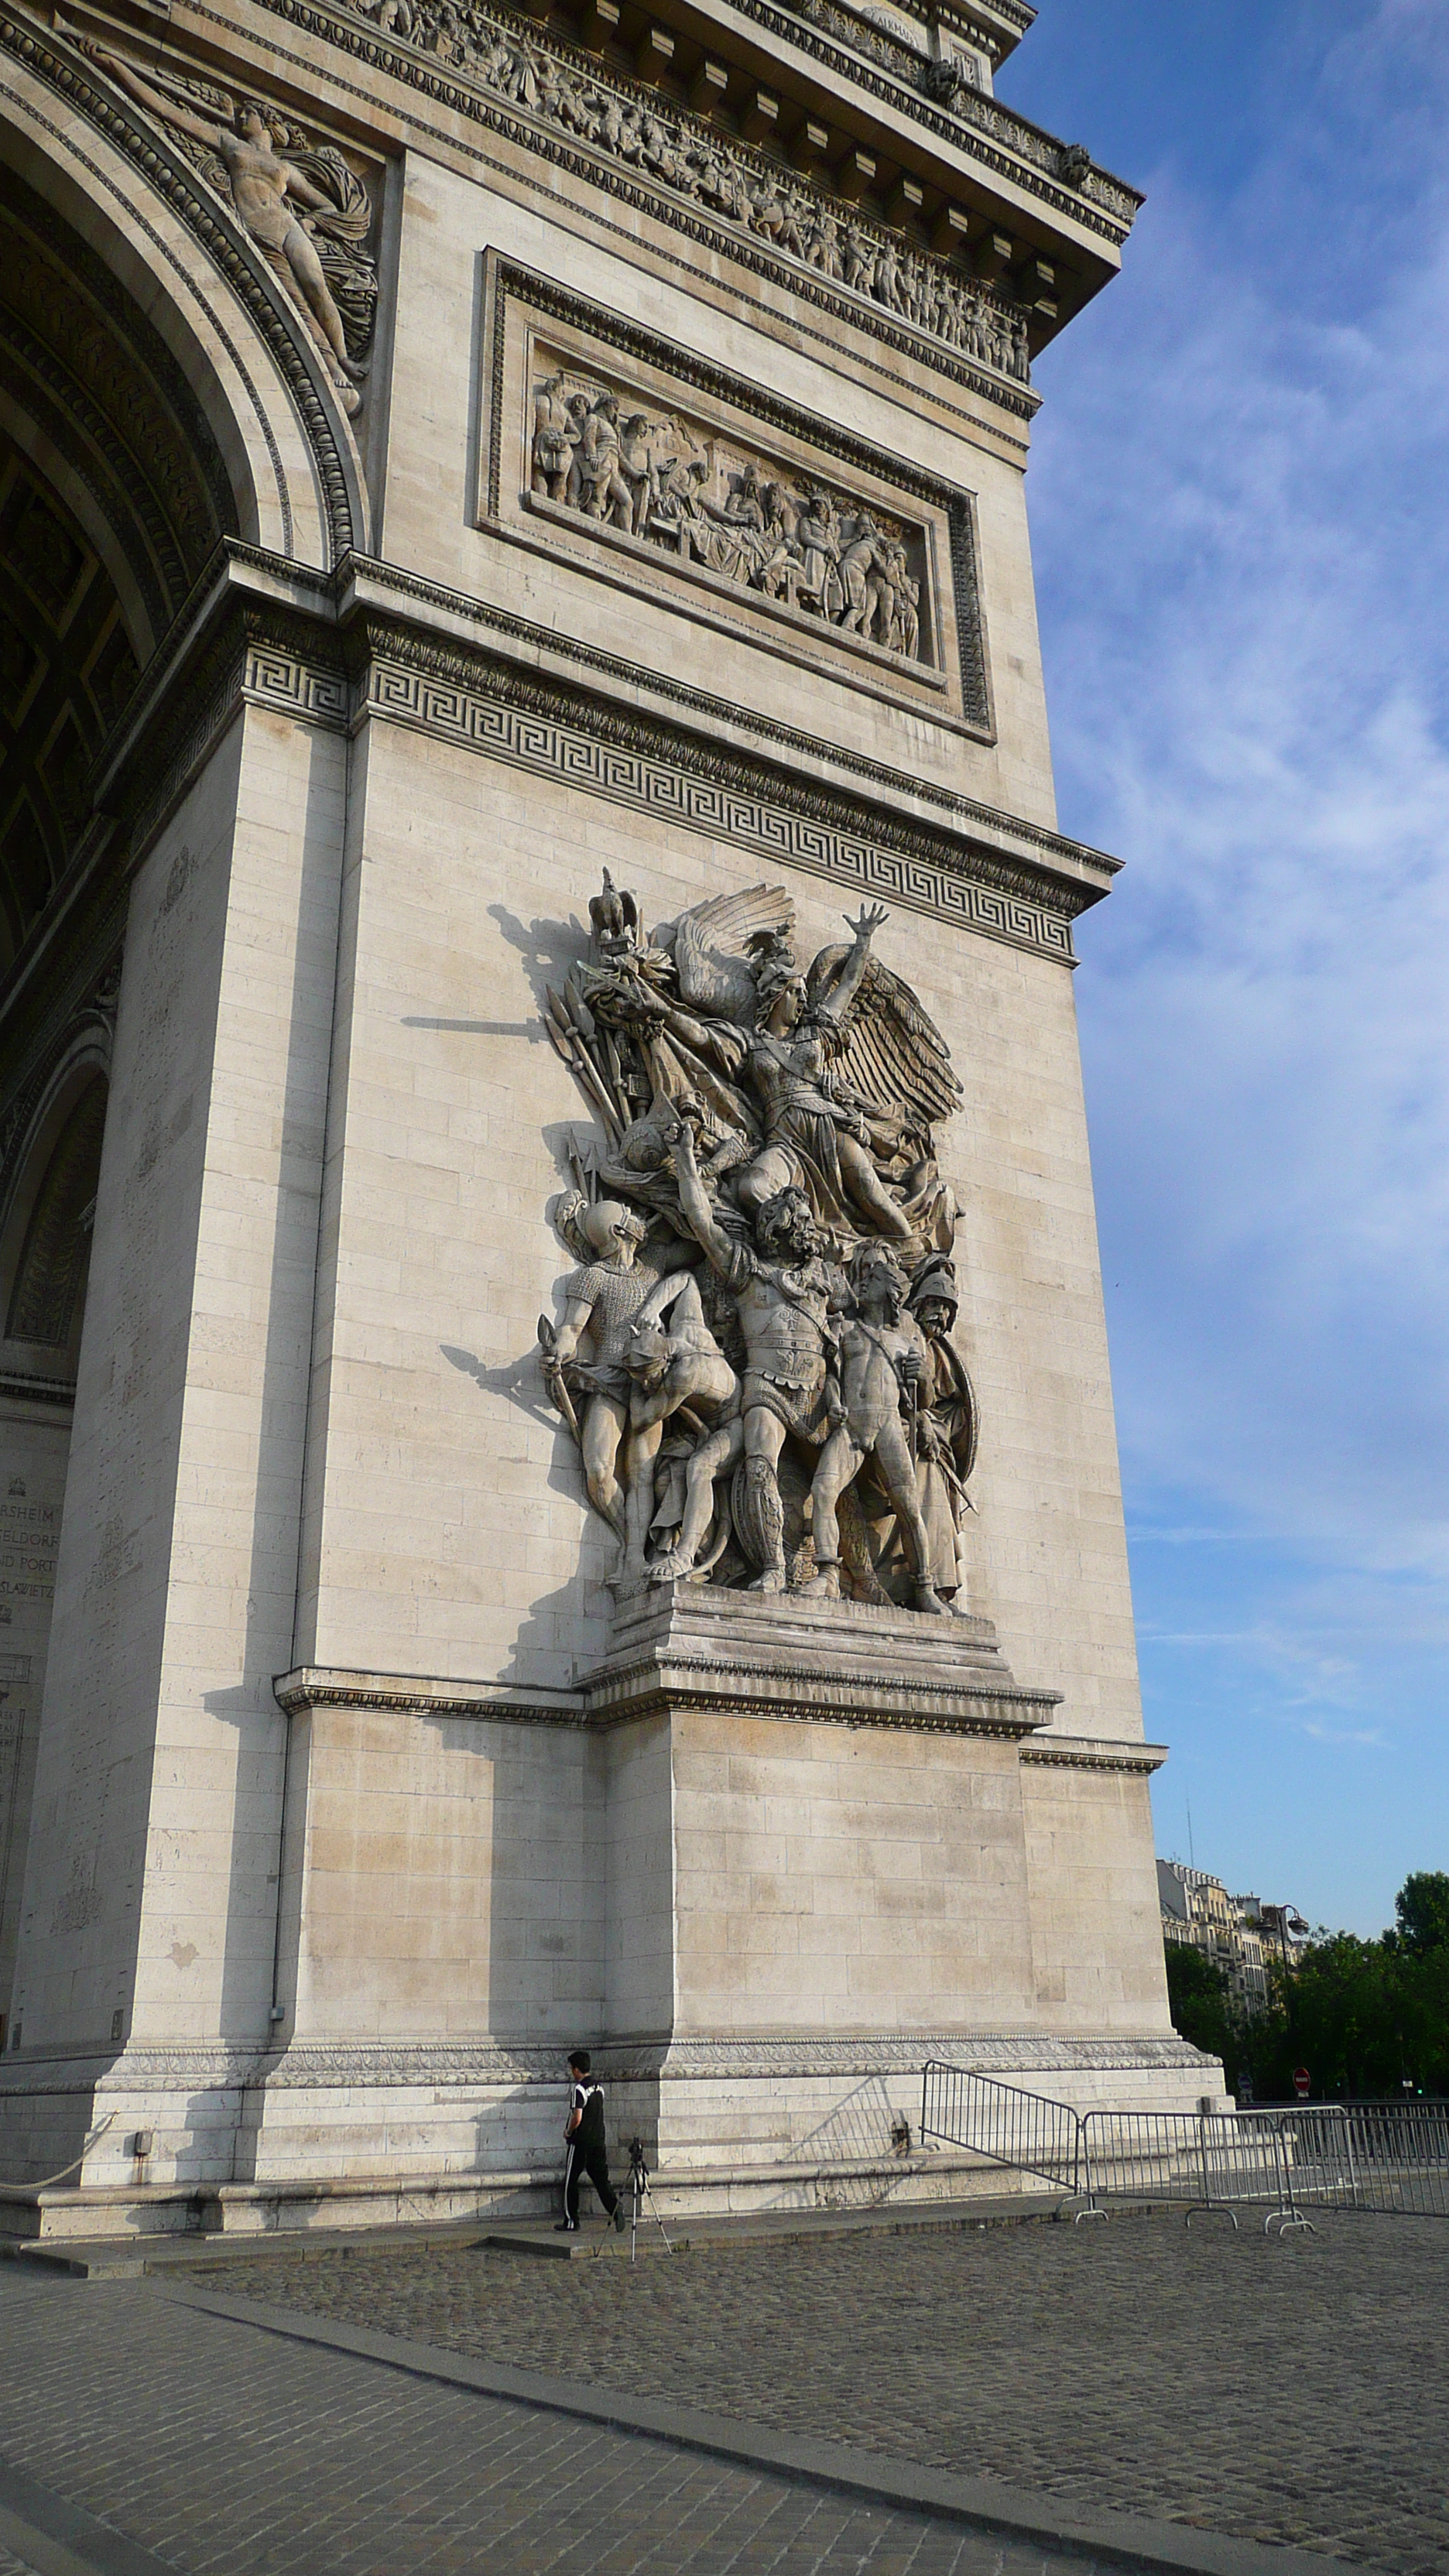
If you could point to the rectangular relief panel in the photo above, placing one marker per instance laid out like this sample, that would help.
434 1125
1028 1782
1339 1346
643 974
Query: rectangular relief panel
645 466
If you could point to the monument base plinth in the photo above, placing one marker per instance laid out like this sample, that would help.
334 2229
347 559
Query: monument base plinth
426 2138
773 1853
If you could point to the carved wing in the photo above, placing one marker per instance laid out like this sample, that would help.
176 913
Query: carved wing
892 1051
710 944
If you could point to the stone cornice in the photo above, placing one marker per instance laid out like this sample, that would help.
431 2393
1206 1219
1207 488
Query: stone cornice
688 1647
371 643
1009 144
995 26
826 1696
52 1392
513 108
543 721
313 1686
1093 1753
1080 875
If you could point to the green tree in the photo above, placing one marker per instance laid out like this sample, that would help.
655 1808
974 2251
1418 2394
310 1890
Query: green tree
1367 2018
1202 2006
1422 1911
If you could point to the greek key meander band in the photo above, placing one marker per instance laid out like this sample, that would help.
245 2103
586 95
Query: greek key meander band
549 748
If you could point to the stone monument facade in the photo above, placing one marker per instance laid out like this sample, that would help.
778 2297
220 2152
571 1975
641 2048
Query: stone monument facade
559 1472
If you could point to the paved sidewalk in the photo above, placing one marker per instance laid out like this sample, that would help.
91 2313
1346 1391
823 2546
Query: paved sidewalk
224 2449
1295 2393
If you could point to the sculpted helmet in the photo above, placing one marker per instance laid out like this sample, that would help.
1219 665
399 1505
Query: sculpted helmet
608 1223
935 1282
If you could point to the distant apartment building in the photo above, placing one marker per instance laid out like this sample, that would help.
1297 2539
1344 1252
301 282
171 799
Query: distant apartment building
1240 1934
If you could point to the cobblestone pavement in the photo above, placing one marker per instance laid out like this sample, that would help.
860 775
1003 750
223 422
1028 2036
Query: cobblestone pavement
1294 2392
222 2448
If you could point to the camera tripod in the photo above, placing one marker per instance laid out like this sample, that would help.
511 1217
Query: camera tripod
638 2189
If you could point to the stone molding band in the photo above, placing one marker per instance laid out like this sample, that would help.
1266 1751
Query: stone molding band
634 763
467 2065
15 1389
624 1694
813 1698
1093 1753
406 1695
370 642
1077 875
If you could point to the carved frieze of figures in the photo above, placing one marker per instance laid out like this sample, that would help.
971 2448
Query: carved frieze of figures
710 503
755 1354
298 201
677 152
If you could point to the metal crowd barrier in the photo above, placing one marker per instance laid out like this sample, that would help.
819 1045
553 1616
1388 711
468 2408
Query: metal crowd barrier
1025 2131
1198 2160
1388 2158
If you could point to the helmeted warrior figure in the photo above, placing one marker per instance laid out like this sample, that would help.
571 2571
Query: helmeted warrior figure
882 1360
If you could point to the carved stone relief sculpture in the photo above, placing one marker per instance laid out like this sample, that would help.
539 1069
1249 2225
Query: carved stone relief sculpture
755 1353
681 154
711 503
302 206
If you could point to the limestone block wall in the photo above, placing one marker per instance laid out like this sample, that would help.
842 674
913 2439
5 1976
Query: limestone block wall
1096 1932
443 1880
847 1879
635 1821
430 505
152 1866
447 1531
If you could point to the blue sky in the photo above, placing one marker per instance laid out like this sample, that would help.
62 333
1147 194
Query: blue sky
1240 513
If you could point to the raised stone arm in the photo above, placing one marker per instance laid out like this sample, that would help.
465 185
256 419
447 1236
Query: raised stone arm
154 100
847 984
699 1216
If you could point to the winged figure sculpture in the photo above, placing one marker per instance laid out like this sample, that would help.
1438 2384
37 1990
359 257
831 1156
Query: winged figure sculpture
778 1120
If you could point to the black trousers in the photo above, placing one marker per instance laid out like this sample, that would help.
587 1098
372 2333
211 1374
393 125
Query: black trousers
587 2157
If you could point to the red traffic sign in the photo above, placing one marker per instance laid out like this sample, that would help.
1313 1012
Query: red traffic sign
1302 2082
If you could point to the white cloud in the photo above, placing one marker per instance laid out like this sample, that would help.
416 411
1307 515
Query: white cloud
1241 530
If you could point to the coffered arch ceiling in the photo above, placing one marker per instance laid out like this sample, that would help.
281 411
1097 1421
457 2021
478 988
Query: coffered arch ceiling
113 495
45 1301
